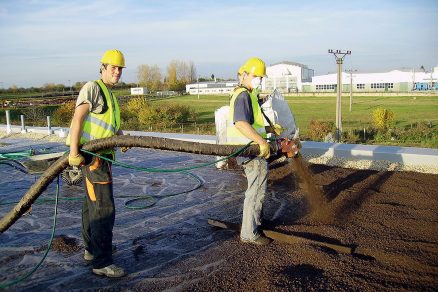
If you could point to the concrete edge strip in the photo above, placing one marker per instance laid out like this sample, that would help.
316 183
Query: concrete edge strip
408 156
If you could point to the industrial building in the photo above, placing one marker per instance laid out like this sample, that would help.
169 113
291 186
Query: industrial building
393 81
211 87
291 77
286 77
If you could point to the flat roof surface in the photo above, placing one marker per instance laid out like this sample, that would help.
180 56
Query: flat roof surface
390 217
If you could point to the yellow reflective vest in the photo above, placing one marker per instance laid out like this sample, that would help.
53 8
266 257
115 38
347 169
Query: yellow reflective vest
234 136
104 125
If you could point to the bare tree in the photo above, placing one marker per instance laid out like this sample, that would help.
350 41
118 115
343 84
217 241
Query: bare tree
193 73
149 76
171 74
13 88
183 73
49 86
179 73
35 115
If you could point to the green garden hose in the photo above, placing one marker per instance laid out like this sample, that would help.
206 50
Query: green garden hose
150 200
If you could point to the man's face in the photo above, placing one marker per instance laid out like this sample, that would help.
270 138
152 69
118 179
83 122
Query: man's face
251 81
111 74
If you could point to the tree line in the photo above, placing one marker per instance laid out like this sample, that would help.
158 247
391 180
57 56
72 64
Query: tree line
52 87
178 74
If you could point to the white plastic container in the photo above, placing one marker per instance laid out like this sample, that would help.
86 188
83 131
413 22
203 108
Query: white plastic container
220 119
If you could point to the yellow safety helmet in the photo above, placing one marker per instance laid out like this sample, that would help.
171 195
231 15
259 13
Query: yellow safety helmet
241 70
113 57
255 66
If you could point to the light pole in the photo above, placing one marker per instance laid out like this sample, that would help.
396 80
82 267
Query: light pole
339 55
351 86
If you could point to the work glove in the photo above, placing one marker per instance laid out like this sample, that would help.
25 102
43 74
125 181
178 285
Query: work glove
265 150
77 160
278 129
296 146
297 143
125 148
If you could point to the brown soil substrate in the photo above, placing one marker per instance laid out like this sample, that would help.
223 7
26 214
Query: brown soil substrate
65 244
389 217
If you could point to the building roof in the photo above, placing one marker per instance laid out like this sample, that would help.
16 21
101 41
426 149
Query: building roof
211 84
290 63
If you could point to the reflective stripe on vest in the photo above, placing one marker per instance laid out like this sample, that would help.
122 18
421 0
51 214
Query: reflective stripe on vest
98 126
101 123
234 136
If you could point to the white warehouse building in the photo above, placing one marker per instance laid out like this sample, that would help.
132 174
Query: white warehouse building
286 77
393 81
211 87
289 77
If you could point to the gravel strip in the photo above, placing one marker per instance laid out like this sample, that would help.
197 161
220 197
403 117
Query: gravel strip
380 165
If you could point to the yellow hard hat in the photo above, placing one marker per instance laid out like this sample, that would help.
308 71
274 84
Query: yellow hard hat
255 66
113 57
241 70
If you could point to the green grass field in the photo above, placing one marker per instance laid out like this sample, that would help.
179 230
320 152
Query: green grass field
407 110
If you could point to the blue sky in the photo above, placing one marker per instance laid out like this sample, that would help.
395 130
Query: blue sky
44 41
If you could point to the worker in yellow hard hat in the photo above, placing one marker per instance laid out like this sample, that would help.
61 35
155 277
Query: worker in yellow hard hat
245 124
240 74
96 116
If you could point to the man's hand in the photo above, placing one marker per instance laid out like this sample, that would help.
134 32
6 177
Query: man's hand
77 160
296 145
265 150
275 129
278 129
124 148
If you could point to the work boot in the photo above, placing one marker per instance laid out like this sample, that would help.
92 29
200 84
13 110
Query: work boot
88 256
261 240
111 271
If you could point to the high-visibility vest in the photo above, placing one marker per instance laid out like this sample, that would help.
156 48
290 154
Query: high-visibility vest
234 136
104 125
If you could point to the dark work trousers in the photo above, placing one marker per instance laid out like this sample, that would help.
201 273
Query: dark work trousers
98 211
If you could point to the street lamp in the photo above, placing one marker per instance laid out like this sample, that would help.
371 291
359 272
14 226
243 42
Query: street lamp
197 80
339 55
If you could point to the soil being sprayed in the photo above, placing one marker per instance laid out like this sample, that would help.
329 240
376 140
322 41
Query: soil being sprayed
316 199
296 172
